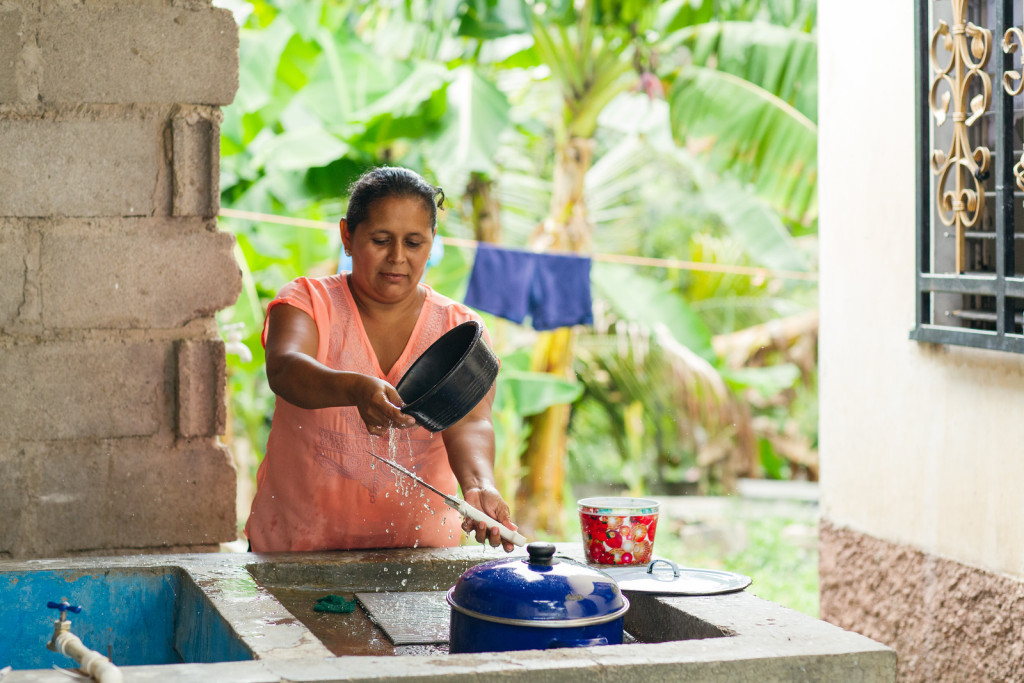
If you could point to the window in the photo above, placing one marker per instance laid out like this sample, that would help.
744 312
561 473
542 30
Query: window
970 175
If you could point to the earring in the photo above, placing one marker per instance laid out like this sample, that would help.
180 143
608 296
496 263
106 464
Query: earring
348 253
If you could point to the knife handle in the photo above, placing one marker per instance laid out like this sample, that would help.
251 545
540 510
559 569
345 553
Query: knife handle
467 510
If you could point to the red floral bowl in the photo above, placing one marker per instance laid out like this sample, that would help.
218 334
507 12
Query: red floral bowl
618 530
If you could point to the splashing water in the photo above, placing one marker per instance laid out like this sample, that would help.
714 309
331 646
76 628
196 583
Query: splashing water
400 451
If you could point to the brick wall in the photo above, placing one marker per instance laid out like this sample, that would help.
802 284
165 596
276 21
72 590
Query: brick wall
111 271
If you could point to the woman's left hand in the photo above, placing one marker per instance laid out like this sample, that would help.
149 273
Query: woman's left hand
490 502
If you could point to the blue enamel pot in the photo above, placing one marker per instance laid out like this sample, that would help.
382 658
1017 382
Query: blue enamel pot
534 603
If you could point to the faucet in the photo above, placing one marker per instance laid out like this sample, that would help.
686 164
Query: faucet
67 643
233 343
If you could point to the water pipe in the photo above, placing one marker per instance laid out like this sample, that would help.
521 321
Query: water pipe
233 343
67 643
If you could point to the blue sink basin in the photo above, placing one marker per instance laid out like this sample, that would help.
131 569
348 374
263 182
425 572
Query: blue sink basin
152 615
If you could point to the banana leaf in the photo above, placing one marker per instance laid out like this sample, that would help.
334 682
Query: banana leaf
751 134
779 59
768 381
471 129
756 227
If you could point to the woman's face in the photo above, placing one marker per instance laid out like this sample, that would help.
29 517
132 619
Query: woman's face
390 248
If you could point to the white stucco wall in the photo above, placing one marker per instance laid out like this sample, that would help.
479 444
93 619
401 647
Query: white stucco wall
920 444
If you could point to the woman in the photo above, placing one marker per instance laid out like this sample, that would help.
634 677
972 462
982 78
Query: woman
335 348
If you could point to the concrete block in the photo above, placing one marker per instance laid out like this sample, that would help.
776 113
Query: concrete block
14 497
172 497
195 167
119 494
138 52
15 255
68 498
83 167
136 273
202 379
11 31
72 390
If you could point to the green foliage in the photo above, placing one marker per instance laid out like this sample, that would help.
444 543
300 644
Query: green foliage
470 132
644 300
751 133
491 19
768 381
521 393
779 59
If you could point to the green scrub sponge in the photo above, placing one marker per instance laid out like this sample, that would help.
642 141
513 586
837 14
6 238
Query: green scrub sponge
334 603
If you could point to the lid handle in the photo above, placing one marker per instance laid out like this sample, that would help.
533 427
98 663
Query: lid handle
670 563
541 553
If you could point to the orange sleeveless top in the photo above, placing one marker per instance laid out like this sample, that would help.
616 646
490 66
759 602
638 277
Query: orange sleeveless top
317 488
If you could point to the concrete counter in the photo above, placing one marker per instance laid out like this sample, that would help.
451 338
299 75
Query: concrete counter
735 637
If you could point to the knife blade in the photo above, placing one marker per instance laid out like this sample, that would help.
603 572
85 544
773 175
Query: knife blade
460 506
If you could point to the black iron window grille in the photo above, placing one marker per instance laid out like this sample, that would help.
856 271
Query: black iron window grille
970 174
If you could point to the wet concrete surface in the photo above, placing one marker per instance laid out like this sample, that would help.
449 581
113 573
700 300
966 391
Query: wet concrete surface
353 633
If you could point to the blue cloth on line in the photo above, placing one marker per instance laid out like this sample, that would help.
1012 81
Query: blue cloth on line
560 295
552 289
500 282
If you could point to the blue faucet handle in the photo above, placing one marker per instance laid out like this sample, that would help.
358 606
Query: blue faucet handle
64 606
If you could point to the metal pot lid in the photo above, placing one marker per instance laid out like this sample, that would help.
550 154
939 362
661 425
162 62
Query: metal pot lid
665 576
538 590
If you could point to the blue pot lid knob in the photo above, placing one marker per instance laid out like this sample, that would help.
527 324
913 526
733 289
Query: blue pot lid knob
541 554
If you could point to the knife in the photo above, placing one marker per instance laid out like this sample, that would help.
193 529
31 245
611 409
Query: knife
461 506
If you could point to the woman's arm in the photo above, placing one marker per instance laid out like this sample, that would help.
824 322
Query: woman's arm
295 375
470 446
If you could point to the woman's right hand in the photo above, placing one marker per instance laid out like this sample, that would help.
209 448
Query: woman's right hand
296 376
379 406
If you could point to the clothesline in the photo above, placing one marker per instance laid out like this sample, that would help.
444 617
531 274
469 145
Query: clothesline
675 264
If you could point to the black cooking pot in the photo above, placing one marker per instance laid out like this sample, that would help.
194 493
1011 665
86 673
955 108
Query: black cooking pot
450 378
534 604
